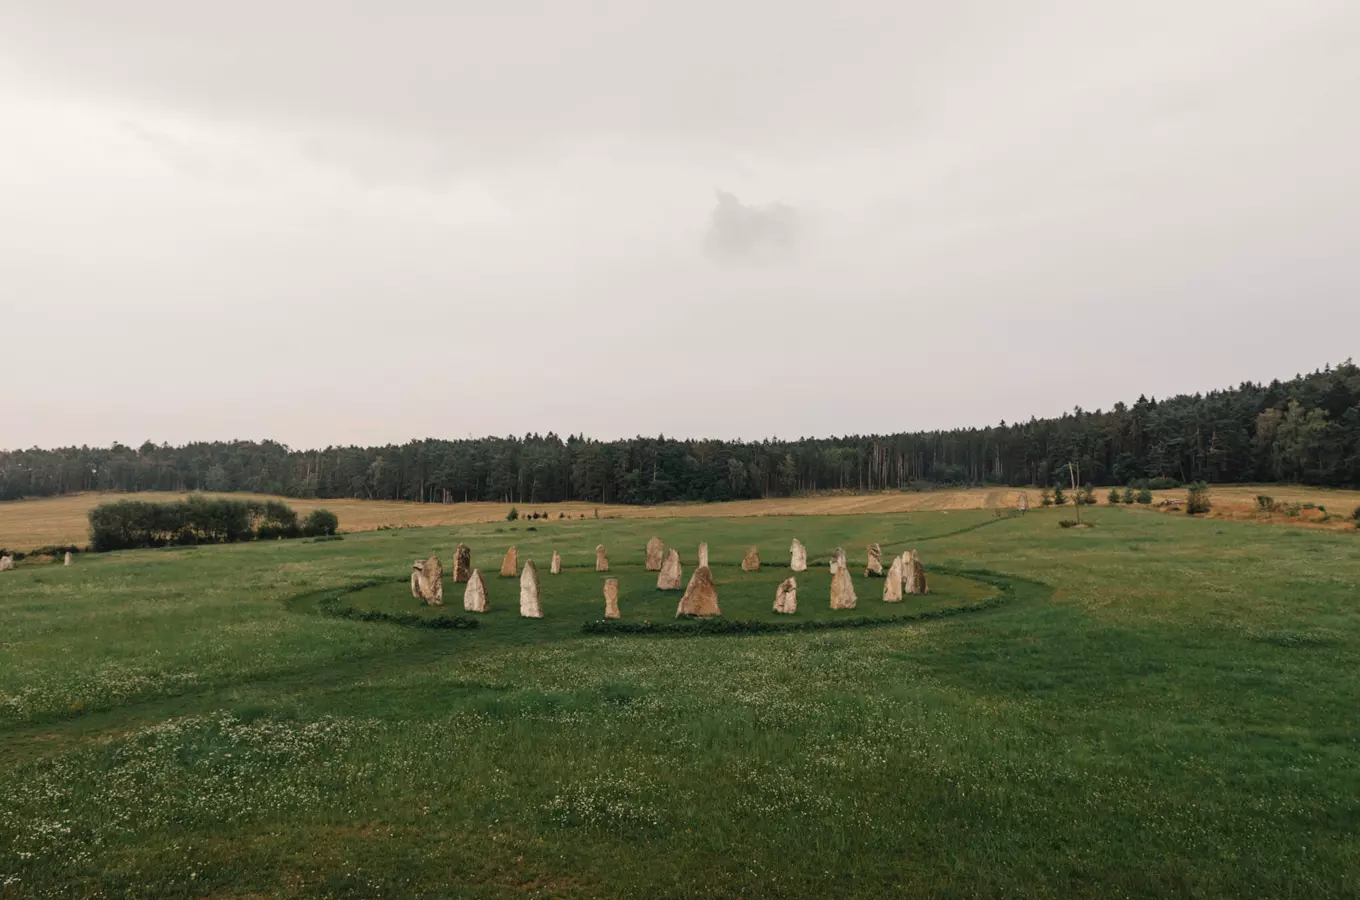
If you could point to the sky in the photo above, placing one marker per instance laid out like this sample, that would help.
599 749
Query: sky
332 222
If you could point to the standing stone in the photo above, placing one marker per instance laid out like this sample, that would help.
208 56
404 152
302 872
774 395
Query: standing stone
474 595
837 560
874 565
892 585
671 577
786 596
427 581
556 567
797 556
68 558
701 597
915 580
462 563
751 561
6 562
703 555
510 565
529 607
601 561
842 590
611 598
656 550
1023 504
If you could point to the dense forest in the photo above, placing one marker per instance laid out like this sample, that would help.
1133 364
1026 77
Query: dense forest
1303 430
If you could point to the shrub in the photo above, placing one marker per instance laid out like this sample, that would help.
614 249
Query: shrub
1068 523
1161 483
561 515
1128 495
1266 503
1059 497
512 515
1114 496
273 519
1197 499
1145 496
321 523
1046 497
1087 496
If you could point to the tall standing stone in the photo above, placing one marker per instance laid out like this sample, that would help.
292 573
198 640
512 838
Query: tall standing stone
529 606
656 551
671 577
915 577
462 563
842 590
701 597
474 595
751 561
873 567
786 596
556 567
510 565
703 555
611 598
6 562
837 560
601 560
68 558
797 556
892 585
427 581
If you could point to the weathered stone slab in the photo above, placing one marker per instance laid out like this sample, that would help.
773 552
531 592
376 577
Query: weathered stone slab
797 556
914 581
510 565
556 567
656 552
601 560
529 605
703 555
474 595
611 598
462 563
892 585
750 562
786 596
873 566
701 597
68 558
671 577
837 560
842 590
427 581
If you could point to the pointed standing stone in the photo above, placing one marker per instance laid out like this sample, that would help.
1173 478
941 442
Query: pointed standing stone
510 565
462 563
611 598
703 555
474 595
751 561
797 556
529 607
556 567
671 577
786 596
656 550
837 560
916 577
601 561
701 597
427 581
874 565
842 590
68 558
892 585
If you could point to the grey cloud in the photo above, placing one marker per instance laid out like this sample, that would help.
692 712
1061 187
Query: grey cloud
737 232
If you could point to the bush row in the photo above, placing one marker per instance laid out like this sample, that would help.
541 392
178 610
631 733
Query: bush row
129 524
330 606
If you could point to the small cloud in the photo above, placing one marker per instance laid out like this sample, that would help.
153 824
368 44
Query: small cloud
741 233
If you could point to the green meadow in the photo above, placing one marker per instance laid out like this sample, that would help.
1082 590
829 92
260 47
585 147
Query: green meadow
1154 706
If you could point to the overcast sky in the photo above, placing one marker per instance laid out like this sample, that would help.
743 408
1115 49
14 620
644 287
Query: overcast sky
324 222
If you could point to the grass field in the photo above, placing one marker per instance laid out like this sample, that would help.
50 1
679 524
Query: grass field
1155 706
59 521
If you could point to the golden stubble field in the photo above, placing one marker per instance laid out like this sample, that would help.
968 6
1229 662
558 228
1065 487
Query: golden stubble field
48 521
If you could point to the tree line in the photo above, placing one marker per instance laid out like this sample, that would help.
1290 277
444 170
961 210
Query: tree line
1306 430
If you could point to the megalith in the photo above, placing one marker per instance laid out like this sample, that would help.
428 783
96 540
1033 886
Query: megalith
601 560
510 565
427 581
68 558
703 555
611 598
797 556
837 560
462 563
915 580
474 595
701 597
6 562
842 589
529 606
786 596
556 567
873 567
751 561
892 585
656 551
671 577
